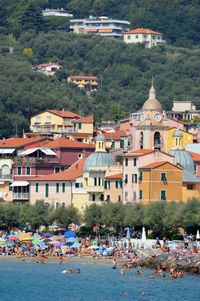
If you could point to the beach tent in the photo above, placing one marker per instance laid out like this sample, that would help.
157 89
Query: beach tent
69 234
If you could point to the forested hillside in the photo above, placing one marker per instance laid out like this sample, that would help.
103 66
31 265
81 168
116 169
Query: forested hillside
124 71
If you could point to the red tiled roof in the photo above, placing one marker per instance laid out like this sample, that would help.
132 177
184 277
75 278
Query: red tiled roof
157 164
83 77
195 156
17 142
66 143
115 135
73 172
142 152
86 119
64 114
47 64
117 176
143 30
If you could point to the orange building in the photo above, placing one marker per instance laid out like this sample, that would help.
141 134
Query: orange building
113 188
160 181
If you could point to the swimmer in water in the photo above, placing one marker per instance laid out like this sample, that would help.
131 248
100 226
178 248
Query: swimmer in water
121 271
125 293
151 276
78 272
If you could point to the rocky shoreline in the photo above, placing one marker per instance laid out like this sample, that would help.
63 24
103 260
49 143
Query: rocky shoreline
188 263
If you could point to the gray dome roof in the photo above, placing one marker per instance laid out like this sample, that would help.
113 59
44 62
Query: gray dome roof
98 159
183 158
177 134
101 137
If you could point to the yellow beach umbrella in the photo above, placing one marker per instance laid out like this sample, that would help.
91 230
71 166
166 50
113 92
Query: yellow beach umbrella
24 235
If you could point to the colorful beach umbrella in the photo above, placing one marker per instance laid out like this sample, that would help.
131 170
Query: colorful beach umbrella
24 235
69 234
12 238
54 242
93 247
47 235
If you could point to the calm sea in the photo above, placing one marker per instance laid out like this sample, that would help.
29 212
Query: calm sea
97 282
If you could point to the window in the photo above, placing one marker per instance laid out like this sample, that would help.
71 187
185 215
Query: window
141 140
144 36
126 195
63 187
57 204
99 181
118 184
158 37
163 177
63 205
135 178
163 195
108 197
195 169
140 194
57 169
134 196
102 197
48 119
141 176
126 179
132 178
38 119
10 187
126 161
93 197
57 187
112 144
36 187
28 171
121 143
47 191
80 156
19 171
157 140
128 37
107 184
134 162
95 181
80 126
47 203
77 185
189 187
136 36
119 198
153 37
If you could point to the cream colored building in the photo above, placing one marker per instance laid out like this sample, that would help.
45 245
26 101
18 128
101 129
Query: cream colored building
6 180
147 37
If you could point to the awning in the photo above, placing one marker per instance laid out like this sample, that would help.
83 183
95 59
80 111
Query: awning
7 150
46 151
19 183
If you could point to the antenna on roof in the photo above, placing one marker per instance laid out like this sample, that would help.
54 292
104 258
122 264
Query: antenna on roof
152 81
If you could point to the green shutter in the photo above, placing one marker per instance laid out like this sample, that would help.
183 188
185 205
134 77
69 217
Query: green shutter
126 179
36 187
140 194
163 177
57 204
163 195
80 125
57 187
119 198
116 184
63 187
47 191
28 171
121 143
132 178
19 171
135 178
141 176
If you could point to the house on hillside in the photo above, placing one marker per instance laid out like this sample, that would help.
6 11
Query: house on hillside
147 37
56 13
48 68
87 82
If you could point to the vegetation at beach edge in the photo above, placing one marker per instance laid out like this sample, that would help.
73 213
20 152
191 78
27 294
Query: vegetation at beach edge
163 219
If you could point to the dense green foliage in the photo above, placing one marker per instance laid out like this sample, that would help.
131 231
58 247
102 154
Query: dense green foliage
124 72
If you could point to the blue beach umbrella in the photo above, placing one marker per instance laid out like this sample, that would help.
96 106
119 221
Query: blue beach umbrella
41 244
10 244
76 245
72 239
47 235
69 234
69 243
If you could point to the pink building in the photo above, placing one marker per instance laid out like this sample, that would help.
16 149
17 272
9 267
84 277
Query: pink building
56 189
132 161
196 160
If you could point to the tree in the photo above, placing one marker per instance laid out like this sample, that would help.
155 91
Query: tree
113 215
38 214
191 216
28 52
134 215
32 18
92 215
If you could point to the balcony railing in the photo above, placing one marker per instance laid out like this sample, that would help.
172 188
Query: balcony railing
95 189
20 195
32 160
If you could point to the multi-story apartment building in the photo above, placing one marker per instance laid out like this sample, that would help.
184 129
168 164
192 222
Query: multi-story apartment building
87 82
100 25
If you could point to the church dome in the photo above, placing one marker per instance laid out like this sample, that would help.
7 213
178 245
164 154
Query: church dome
177 134
183 158
99 159
152 103
101 137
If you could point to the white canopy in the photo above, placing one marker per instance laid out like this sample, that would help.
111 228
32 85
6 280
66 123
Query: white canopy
7 150
45 150
19 183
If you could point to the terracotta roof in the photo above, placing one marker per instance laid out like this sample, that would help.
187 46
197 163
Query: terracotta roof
17 142
83 77
195 156
64 114
114 149
143 30
73 172
47 64
117 176
157 164
142 152
114 136
86 119
66 143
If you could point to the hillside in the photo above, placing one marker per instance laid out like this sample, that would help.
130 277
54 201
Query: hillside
125 70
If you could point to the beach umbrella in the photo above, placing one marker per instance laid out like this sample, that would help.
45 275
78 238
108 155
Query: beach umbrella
24 235
47 235
76 245
69 243
72 239
10 235
37 236
59 244
2 239
12 238
35 240
10 244
54 242
198 235
93 247
47 240
27 239
69 234
144 238
41 244
55 237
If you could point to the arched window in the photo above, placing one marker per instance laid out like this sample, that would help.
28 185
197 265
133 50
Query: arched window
5 170
157 140
141 140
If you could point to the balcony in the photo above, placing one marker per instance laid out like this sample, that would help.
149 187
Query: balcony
94 189
33 160
43 130
20 196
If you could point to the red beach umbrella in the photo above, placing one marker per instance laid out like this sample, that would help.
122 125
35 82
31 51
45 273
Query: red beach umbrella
12 238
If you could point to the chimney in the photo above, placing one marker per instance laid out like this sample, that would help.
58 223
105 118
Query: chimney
4 140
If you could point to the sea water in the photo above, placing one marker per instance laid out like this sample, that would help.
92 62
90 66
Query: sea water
27 281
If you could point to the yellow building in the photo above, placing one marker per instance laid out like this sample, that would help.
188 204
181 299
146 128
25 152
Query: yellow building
160 181
88 82
190 186
84 128
187 138
54 122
